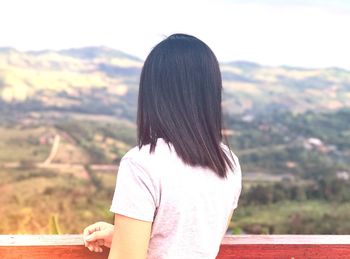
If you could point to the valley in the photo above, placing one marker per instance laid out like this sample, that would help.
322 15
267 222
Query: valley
67 117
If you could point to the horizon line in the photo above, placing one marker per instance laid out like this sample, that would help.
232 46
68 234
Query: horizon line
260 64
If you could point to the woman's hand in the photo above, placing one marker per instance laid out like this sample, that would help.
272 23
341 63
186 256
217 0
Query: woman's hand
98 235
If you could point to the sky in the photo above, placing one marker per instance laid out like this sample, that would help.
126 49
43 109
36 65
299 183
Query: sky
314 33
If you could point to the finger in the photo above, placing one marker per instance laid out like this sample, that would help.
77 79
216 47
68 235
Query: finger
93 243
88 238
92 228
97 249
97 243
102 234
92 247
100 242
88 230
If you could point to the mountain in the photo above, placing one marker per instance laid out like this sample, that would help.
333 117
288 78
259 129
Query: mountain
89 80
101 80
96 52
252 87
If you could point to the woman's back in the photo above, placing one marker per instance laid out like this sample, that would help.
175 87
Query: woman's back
189 206
176 191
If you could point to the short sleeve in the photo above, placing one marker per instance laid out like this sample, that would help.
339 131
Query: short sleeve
135 194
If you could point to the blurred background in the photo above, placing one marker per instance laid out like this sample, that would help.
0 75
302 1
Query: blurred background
69 73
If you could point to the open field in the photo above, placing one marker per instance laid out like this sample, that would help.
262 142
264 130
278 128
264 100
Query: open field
290 184
21 144
32 197
306 217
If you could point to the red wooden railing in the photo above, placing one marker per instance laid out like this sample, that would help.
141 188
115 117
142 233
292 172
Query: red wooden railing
242 246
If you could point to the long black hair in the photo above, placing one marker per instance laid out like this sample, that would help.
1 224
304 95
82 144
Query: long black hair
180 101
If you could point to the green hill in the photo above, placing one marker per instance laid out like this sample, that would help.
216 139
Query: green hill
100 80
67 117
251 87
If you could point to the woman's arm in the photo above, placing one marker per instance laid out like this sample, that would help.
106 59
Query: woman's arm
130 239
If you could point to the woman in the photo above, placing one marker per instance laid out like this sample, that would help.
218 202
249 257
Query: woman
177 190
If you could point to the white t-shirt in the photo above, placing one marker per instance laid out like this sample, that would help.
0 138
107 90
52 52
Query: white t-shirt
189 206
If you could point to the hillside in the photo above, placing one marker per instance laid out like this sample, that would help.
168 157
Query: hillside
251 87
99 80
67 118
90 80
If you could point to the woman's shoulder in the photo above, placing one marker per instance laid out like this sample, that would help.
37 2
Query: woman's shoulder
146 162
164 155
144 154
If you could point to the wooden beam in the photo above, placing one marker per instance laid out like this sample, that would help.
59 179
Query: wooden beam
286 239
285 246
240 246
50 252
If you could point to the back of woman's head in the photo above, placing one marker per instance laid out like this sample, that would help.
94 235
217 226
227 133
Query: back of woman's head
180 101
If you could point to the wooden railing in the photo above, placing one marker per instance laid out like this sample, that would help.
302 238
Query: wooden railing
242 246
